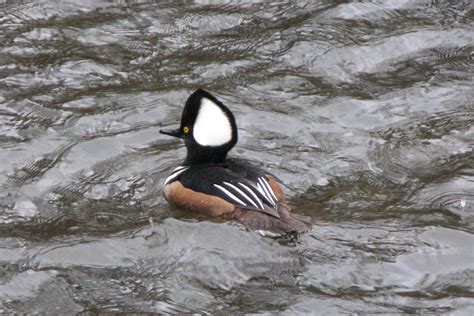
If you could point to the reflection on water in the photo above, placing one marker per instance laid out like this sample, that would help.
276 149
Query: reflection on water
363 110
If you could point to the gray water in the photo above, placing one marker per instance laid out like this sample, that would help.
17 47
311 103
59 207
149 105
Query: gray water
364 111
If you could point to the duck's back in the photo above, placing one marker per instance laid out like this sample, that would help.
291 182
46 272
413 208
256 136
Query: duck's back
234 189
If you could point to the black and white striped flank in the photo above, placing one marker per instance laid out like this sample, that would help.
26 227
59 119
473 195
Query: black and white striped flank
259 195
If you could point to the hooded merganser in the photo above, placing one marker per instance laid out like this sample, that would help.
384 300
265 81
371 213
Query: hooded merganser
209 183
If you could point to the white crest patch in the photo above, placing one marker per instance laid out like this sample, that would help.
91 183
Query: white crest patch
212 127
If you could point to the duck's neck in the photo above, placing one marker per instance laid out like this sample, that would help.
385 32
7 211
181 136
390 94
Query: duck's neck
207 156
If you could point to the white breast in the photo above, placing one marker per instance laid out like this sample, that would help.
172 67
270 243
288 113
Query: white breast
212 127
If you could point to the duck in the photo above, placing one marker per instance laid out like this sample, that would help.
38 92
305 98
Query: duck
210 183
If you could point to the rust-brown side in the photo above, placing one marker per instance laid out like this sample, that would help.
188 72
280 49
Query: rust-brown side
191 200
276 189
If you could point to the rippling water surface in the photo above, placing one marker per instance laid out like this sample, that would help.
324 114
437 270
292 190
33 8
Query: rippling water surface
364 110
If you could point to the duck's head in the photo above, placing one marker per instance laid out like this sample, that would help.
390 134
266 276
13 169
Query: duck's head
207 127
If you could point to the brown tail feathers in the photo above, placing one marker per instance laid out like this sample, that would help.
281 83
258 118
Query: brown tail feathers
272 226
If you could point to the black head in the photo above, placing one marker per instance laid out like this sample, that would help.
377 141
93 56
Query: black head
208 129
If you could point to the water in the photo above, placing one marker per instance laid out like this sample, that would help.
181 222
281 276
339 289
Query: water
364 111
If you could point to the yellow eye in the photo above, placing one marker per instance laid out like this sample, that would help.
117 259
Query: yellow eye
186 130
